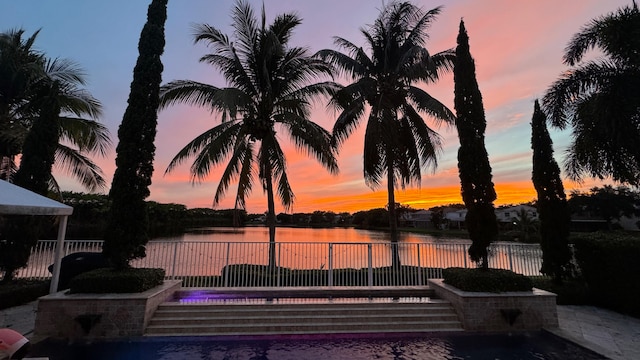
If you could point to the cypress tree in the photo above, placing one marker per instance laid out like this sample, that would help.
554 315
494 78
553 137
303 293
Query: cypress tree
477 188
552 201
127 229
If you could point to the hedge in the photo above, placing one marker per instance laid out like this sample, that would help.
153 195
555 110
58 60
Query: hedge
486 280
610 265
108 280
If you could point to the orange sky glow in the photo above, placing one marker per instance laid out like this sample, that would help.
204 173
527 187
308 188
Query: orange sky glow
517 47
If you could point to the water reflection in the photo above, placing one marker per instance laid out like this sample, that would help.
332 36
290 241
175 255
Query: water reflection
285 234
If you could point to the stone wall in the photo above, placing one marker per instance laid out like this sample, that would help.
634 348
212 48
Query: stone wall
509 311
74 316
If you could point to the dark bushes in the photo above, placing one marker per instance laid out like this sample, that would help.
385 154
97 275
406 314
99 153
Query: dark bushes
486 280
610 266
108 280
21 292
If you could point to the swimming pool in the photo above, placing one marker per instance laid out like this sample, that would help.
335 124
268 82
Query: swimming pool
462 346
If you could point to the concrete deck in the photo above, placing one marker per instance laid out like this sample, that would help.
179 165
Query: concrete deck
606 332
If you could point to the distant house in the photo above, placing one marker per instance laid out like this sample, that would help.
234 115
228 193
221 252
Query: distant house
455 217
417 219
589 222
507 214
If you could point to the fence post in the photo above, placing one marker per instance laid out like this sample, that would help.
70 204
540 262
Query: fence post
419 266
278 270
330 265
226 273
369 265
510 258
175 259
465 254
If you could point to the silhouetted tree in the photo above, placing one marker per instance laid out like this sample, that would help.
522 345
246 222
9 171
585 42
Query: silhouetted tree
552 202
398 142
607 202
525 225
36 95
271 85
478 192
127 229
598 98
29 83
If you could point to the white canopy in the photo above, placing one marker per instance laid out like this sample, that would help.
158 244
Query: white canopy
15 200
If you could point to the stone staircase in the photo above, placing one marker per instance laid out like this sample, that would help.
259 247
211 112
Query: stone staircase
303 316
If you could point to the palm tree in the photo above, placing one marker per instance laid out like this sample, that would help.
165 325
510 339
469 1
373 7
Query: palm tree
24 73
599 98
397 142
525 224
34 101
269 83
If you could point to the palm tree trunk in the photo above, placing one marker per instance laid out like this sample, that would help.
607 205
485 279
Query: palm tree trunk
393 221
271 222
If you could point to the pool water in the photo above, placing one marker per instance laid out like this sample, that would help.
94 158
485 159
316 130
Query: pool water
463 346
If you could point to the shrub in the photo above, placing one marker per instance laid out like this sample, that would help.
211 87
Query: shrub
609 264
22 291
108 280
486 280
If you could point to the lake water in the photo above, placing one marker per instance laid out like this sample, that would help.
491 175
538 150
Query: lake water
317 235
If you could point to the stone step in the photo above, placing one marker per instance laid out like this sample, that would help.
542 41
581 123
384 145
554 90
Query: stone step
325 317
330 318
219 310
242 313
300 328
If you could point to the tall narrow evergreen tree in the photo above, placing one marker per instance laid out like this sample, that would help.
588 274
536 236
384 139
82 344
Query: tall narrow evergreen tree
552 201
126 233
478 192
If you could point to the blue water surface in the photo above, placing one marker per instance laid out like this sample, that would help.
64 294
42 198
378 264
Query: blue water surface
521 346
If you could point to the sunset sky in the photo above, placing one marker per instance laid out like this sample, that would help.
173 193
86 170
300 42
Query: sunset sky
517 46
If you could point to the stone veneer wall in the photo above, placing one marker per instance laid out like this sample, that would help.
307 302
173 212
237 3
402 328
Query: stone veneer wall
104 315
483 311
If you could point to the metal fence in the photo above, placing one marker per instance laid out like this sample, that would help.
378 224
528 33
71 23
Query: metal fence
224 264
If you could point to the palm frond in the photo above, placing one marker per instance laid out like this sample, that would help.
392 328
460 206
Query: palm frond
234 166
375 152
274 155
312 139
80 167
604 33
88 135
65 71
352 106
574 84
432 106
428 142
209 147
190 92
246 176
283 26
418 33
